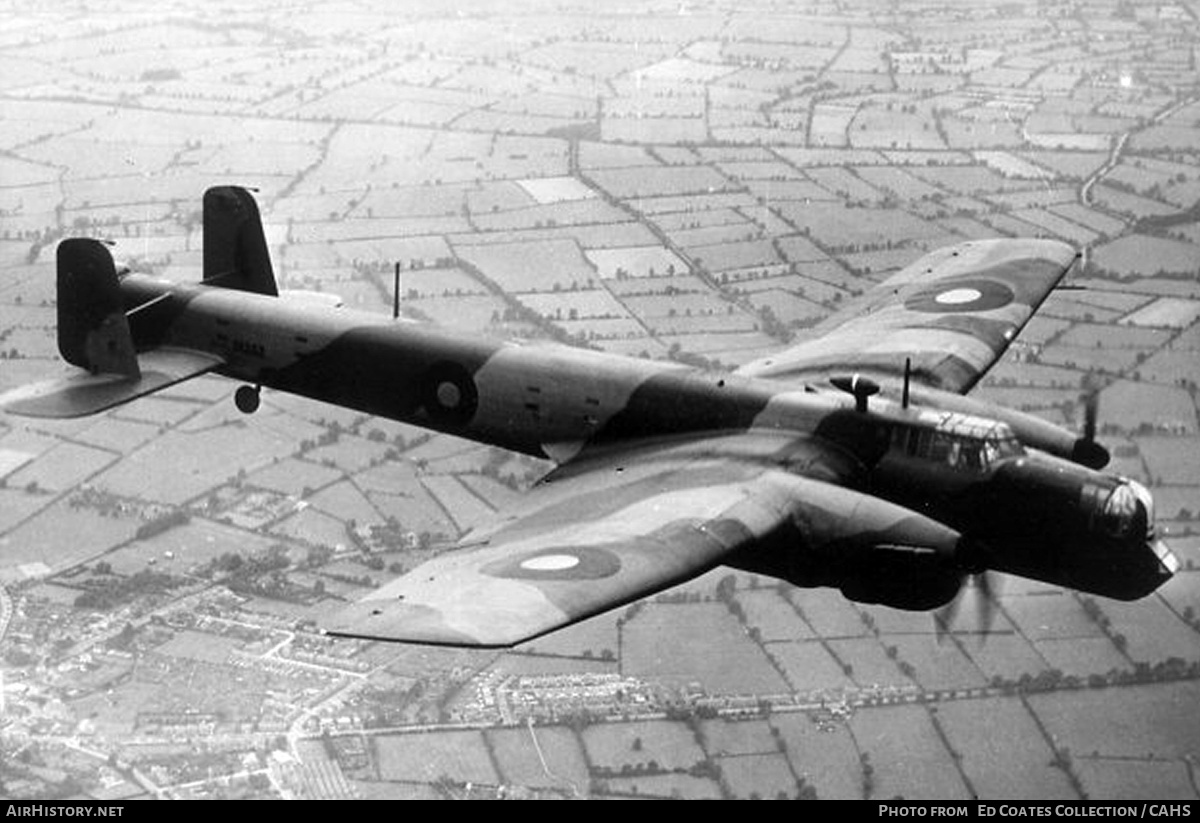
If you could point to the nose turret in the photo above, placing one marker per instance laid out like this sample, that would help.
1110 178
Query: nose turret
1129 515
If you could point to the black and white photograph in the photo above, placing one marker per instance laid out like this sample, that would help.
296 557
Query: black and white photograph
564 400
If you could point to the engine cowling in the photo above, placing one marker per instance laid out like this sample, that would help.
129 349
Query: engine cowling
872 550
901 582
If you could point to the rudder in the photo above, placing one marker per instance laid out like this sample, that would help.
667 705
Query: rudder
93 332
235 250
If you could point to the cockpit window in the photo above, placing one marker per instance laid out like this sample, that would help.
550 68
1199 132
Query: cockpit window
973 450
971 456
943 449
1006 445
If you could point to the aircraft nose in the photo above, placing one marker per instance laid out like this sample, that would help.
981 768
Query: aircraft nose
1142 495
1168 563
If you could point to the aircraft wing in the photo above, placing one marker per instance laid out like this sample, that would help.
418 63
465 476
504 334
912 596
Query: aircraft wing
952 313
613 526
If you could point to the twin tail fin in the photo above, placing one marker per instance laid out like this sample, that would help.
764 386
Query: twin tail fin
235 249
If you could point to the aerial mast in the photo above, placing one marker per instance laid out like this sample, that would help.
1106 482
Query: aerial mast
396 293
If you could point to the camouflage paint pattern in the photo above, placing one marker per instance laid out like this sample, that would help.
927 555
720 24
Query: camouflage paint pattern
656 514
952 313
666 471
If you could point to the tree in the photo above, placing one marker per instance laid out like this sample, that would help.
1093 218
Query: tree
126 636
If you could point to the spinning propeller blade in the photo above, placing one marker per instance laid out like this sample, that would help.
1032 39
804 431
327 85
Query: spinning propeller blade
1087 451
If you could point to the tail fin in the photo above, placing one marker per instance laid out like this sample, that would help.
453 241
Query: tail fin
235 250
93 332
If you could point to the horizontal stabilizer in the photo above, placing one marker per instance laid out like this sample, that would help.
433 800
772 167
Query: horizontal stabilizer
81 394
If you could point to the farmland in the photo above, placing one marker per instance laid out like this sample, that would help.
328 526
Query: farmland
701 183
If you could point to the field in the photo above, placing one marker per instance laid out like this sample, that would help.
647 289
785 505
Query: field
1134 778
1003 753
1156 729
773 616
842 228
424 758
546 757
1171 460
938 666
908 756
185 547
695 184
345 502
808 664
869 664
62 467
1137 255
1170 312
667 744
742 665
826 758
529 266
649 261
828 613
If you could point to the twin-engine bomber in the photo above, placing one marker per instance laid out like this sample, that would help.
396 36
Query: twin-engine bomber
852 459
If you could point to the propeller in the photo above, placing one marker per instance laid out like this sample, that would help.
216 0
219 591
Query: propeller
986 589
1091 406
971 560
1086 450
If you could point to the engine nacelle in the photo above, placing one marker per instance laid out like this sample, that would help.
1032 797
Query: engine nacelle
913 583
873 550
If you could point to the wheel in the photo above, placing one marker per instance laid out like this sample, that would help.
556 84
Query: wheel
246 399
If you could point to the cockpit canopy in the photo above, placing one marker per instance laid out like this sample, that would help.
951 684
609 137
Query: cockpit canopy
957 440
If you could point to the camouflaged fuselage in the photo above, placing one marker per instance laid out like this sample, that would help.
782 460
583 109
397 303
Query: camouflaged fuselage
539 398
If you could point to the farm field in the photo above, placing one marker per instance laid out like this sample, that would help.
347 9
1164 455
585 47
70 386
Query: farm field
698 184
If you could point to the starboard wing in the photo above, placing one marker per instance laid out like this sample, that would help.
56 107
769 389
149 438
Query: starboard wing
952 314
612 526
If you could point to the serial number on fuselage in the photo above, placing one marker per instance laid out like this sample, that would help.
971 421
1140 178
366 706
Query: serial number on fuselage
248 347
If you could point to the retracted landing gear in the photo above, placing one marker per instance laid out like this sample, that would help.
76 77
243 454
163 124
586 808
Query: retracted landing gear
246 398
